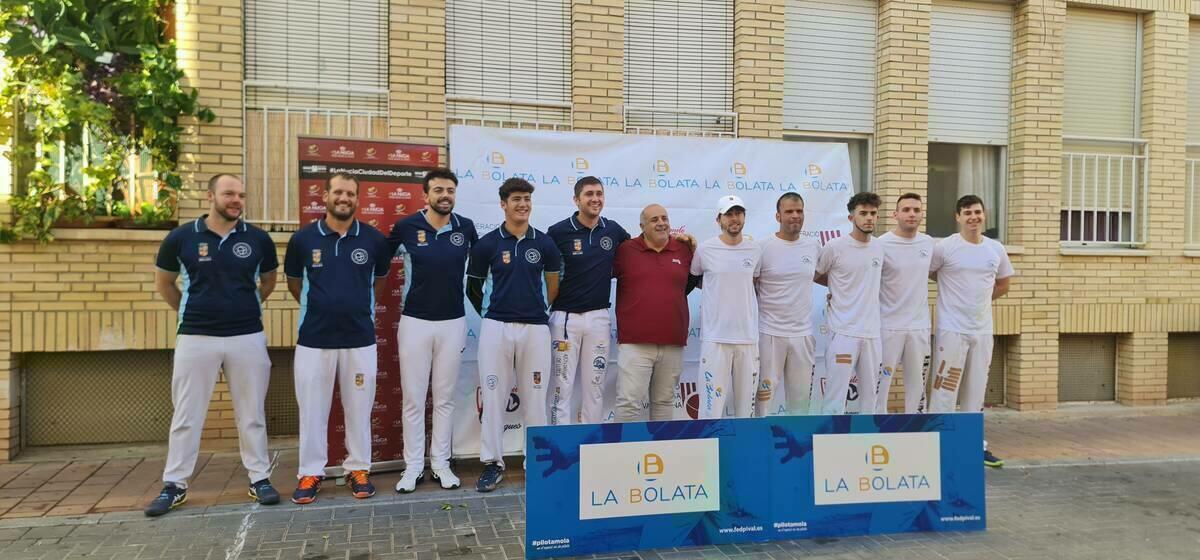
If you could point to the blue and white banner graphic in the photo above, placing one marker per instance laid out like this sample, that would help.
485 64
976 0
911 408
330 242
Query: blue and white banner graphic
617 487
685 175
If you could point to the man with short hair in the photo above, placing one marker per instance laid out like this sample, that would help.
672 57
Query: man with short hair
335 269
728 265
652 317
851 266
904 305
432 334
786 346
228 269
579 323
510 267
971 271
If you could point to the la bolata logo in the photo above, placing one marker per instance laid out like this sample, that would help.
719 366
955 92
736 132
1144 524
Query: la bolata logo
739 169
648 477
661 166
871 468
814 169
496 158
580 164
341 152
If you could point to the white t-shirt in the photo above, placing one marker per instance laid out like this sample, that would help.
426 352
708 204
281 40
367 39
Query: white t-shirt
966 275
853 270
904 289
728 306
785 286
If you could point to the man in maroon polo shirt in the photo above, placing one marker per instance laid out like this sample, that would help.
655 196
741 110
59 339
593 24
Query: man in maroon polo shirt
652 316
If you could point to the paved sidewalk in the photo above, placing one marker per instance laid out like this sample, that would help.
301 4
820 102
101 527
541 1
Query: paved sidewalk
1098 512
75 481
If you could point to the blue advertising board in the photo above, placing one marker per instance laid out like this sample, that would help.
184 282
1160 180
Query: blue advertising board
618 487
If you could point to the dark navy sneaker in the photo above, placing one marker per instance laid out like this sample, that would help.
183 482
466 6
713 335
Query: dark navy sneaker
992 460
493 473
306 490
360 485
263 493
171 497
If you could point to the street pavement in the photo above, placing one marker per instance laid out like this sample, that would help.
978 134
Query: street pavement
1122 509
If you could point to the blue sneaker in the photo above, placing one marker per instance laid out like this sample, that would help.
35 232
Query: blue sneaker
171 497
263 493
491 477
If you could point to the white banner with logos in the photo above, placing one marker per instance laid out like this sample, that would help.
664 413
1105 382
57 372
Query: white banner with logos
685 175
677 476
876 468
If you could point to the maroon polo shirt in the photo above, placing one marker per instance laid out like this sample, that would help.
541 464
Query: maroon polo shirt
652 305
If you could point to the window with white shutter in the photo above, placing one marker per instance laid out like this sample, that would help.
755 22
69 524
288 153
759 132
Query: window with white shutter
1104 194
312 67
508 62
829 68
970 72
679 67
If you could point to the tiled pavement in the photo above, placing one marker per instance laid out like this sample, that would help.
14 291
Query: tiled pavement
1098 512
76 481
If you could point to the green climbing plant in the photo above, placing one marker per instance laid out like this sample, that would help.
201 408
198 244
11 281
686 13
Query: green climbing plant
95 72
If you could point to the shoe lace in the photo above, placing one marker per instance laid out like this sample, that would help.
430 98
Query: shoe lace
309 482
167 491
492 470
359 477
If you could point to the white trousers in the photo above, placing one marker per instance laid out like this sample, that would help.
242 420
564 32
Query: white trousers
961 362
511 355
907 350
316 369
851 365
247 367
725 368
647 372
787 360
430 354
580 342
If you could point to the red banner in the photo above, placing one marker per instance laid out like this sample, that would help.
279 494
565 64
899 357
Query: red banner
389 175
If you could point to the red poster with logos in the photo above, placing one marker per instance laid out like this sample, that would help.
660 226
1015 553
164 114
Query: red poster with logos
389 175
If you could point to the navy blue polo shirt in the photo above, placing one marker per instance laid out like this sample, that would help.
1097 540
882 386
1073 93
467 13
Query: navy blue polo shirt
512 268
220 276
337 302
587 256
434 263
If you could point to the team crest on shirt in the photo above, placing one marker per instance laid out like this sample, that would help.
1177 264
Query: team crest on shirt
806 259
359 256
875 263
421 237
505 257
457 239
360 380
316 258
578 246
533 256
924 253
242 250
606 243
202 249
747 263
537 378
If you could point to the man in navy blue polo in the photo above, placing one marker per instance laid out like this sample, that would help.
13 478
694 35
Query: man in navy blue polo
335 268
228 268
435 243
509 269
580 327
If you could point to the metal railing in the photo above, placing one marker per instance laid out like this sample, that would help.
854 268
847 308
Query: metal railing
509 113
680 122
269 153
1105 200
1193 180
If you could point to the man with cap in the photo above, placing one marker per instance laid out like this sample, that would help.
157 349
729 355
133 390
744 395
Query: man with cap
228 269
728 266
336 268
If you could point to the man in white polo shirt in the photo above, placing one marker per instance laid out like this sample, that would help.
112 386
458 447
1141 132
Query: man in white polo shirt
904 305
728 265
971 271
851 266
784 287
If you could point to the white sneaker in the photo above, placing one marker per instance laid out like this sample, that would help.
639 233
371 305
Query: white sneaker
447 478
409 479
